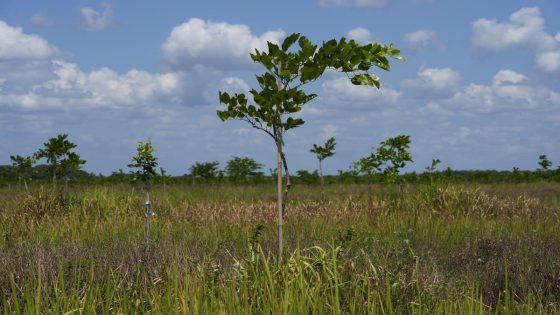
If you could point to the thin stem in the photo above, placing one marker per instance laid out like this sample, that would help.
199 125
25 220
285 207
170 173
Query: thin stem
278 138
288 183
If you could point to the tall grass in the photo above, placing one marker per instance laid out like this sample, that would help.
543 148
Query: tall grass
363 249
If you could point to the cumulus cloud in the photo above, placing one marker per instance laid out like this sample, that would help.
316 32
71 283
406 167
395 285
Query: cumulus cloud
107 88
549 61
103 87
435 79
15 45
508 76
360 35
525 28
343 90
355 3
422 39
41 20
215 44
508 91
234 85
95 21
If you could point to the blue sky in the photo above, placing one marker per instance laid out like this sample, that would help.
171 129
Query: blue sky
480 88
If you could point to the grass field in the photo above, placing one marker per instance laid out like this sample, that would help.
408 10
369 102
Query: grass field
435 249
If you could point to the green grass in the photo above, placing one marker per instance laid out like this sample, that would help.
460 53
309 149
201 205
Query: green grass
436 249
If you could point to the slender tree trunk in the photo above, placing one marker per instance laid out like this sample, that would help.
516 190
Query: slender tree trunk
148 214
54 174
280 203
279 175
321 174
25 185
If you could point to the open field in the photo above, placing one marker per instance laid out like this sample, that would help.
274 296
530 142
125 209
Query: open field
448 249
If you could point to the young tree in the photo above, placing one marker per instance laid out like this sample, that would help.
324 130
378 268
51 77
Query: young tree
432 169
323 152
145 164
280 95
164 176
544 163
241 169
388 159
308 178
58 153
206 171
24 167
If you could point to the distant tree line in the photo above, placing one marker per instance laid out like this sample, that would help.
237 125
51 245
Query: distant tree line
383 165
210 172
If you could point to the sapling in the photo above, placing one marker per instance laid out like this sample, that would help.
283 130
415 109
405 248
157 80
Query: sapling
58 153
323 152
163 174
145 164
544 163
280 95
387 160
432 169
207 171
241 169
24 167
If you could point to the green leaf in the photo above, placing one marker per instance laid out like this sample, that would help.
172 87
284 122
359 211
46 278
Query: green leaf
293 123
224 98
366 79
272 49
289 41
223 115
364 65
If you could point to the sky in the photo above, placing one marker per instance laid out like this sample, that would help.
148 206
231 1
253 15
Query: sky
480 87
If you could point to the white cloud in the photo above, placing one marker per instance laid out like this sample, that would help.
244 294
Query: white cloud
549 61
439 78
215 44
423 39
476 96
508 76
435 79
95 21
29 101
355 3
72 88
41 19
507 92
360 35
14 44
236 85
525 28
343 90
107 88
